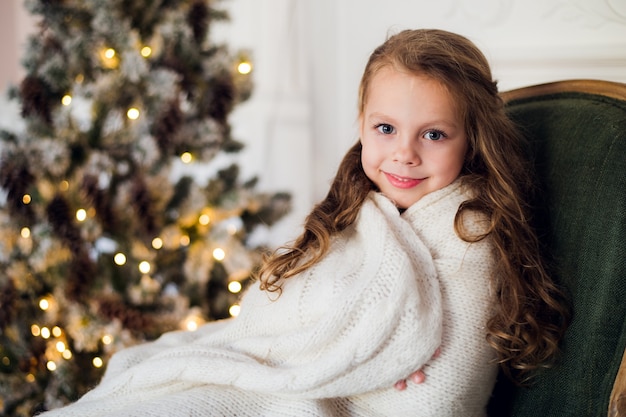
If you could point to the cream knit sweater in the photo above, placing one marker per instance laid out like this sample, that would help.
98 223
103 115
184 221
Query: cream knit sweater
392 289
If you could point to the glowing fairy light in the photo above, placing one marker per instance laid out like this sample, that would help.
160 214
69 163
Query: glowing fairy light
119 259
45 333
144 267
244 68
51 366
107 339
64 185
186 157
60 346
67 354
133 113
109 59
204 219
25 232
234 310
81 215
66 100
234 287
56 331
185 240
97 362
35 330
157 243
26 199
44 304
146 51
219 254
30 378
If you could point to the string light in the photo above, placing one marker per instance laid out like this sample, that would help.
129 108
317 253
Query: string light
234 287
97 362
26 199
109 58
67 354
51 366
204 219
56 331
144 267
107 339
244 68
185 240
81 215
146 51
219 254
44 304
35 330
157 243
234 310
66 100
119 259
25 232
186 157
64 185
45 333
133 113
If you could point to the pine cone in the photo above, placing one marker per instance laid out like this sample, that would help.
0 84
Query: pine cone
16 179
142 201
198 19
37 98
166 126
60 217
131 318
8 296
100 201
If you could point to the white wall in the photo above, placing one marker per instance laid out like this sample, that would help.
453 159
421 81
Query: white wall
308 57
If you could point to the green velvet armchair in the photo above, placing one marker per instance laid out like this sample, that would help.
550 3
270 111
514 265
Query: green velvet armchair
577 135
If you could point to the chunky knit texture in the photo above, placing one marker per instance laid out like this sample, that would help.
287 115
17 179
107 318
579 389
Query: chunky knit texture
337 339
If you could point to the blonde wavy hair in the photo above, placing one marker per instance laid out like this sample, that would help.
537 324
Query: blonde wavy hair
531 315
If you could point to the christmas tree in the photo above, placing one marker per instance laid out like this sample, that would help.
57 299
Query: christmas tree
109 236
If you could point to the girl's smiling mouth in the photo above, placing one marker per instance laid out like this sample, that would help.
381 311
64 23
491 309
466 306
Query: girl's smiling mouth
402 182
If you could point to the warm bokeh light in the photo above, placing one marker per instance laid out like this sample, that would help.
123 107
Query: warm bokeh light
186 157
234 287
219 254
234 310
244 68
97 362
157 243
119 258
133 113
26 199
66 100
146 51
144 267
81 215
25 232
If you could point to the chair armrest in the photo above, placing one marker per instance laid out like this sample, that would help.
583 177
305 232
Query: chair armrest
617 402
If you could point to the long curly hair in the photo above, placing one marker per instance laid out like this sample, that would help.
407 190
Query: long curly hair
530 314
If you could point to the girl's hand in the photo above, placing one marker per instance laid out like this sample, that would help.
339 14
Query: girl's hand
416 377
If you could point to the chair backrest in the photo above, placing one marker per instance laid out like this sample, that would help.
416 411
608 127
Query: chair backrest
577 134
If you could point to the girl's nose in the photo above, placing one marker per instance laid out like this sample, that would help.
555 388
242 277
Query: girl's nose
405 153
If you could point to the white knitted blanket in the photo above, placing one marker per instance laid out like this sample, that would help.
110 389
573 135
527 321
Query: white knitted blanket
367 315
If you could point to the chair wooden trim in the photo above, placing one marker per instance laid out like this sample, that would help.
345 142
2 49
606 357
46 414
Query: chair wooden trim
617 401
599 87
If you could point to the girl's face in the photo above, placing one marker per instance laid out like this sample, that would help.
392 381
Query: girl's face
412 135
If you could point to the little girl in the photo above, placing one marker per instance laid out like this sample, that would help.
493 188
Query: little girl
421 248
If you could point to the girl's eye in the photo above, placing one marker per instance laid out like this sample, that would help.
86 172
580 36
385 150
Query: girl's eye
385 129
434 135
